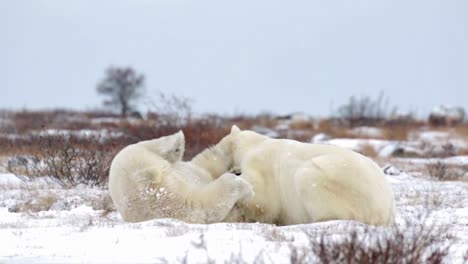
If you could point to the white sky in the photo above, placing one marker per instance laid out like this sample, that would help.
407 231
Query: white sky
240 56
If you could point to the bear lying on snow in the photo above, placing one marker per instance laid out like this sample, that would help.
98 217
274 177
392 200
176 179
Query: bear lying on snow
293 182
148 180
297 183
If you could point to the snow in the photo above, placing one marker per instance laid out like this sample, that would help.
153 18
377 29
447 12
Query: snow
371 132
440 138
357 143
84 133
265 131
448 111
320 138
75 230
421 143
9 179
102 134
459 160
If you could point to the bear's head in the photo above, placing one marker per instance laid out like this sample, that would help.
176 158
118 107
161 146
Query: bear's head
171 148
243 140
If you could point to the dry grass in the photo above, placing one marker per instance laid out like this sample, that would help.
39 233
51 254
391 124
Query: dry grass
334 129
398 132
440 170
27 121
248 121
105 204
462 129
302 125
368 150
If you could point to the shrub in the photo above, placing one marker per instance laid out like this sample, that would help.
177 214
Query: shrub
69 160
135 132
440 170
334 128
417 241
24 122
171 109
420 240
445 150
365 111
202 134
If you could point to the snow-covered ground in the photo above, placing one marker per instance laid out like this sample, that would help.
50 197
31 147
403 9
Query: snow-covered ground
74 226
43 222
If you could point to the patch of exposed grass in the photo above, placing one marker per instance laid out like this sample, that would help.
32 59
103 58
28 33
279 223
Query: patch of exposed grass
368 150
442 171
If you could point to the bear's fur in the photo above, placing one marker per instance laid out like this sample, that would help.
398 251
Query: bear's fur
148 180
297 183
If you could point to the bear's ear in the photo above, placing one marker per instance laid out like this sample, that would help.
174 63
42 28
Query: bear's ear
178 148
180 137
180 140
235 129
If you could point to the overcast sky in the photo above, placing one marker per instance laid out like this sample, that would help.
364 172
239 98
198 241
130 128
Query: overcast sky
242 56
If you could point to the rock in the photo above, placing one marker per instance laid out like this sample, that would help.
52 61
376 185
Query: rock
391 170
391 150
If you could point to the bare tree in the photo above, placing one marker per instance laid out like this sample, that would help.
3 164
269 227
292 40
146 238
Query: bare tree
123 87
171 109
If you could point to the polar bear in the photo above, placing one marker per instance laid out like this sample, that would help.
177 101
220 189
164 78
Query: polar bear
296 183
148 180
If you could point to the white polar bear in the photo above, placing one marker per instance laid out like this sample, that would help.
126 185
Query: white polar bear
148 180
297 183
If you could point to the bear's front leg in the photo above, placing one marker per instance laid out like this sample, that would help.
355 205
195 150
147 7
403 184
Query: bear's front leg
218 198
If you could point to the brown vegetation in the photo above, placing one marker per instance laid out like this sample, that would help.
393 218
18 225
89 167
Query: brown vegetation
79 151
398 132
55 143
368 150
66 159
440 170
416 243
365 111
